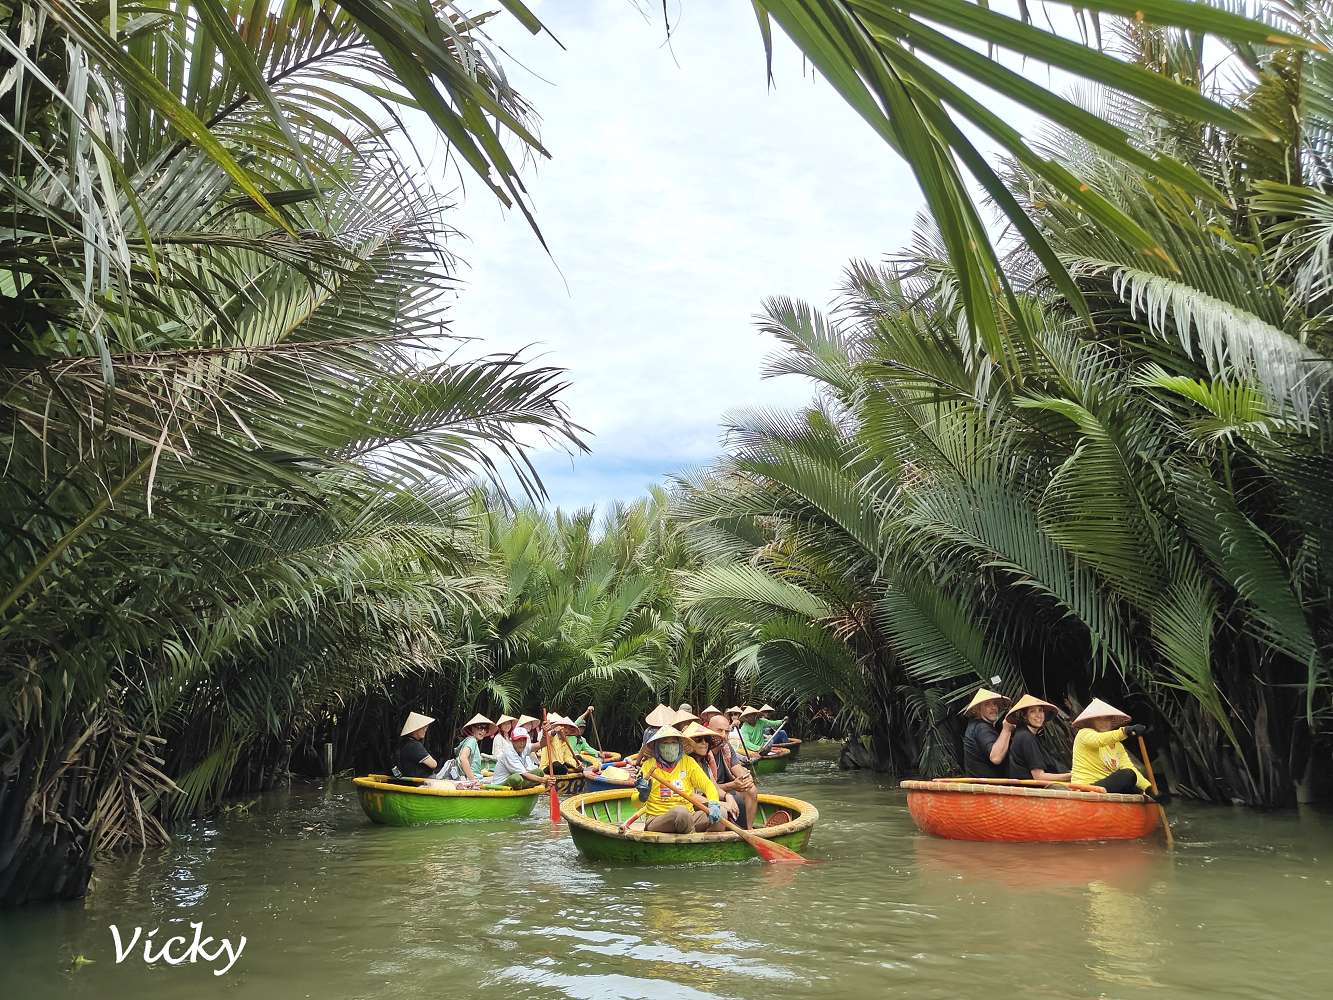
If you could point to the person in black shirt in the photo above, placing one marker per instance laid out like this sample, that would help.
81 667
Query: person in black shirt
1028 759
984 747
414 760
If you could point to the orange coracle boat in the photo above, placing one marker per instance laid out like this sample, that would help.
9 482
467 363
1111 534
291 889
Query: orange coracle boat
959 810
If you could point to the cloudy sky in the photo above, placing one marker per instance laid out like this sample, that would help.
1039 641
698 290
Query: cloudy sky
681 193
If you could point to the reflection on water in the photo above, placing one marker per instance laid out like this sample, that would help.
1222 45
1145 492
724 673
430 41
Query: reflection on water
334 907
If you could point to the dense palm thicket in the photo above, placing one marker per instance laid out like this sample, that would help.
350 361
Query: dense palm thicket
236 504
236 484
1143 503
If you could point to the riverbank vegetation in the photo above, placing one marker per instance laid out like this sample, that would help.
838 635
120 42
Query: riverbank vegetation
241 451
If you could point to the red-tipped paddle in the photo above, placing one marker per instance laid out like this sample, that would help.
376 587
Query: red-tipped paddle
769 851
550 768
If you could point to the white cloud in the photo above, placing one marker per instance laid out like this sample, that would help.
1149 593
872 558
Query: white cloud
678 197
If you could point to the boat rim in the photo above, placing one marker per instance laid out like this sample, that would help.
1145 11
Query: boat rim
370 782
805 818
968 788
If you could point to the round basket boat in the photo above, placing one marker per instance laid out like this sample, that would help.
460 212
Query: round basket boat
792 746
775 760
594 817
965 811
413 805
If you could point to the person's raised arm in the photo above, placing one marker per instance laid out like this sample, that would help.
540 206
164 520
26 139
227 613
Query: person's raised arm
1000 748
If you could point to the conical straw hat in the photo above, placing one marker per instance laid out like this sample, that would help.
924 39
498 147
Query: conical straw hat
1026 702
682 717
694 731
666 732
709 712
1099 709
766 708
415 720
736 709
750 710
662 715
476 720
503 719
527 720
982 696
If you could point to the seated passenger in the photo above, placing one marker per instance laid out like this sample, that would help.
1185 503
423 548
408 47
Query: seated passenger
780 736
1099 755
729 773
655 720
708 714
1028 759
985 748
668 812
466 762
580 745
504 725
556 754
752 729
414 760
515 767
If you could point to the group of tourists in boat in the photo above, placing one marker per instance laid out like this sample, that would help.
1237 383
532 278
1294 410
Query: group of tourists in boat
710 754
1001 741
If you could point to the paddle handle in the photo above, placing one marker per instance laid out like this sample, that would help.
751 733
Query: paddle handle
629 822
768 744
1152 783
550 768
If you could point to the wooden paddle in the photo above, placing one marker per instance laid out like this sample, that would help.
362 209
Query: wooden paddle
629 822
1152 783
768 744
550 768
771 852
592 721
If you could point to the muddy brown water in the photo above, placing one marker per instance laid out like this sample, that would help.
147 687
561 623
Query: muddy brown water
334 907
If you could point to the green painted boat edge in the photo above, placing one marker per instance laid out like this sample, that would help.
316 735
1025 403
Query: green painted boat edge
399 805
598 840
773 762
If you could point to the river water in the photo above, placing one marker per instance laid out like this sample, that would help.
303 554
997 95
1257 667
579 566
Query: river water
333 907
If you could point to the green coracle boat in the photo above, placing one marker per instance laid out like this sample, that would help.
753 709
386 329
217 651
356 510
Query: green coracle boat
594 818
772 762
413 805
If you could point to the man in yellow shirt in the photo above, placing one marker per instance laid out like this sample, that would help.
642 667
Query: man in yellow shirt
666 761
1100 757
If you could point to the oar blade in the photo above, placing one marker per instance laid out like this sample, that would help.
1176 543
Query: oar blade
775 853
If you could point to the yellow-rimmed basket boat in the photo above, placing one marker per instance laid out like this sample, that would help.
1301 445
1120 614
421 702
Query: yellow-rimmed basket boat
594 818
961 810
414 805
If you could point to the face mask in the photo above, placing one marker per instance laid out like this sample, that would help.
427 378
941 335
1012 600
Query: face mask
669 752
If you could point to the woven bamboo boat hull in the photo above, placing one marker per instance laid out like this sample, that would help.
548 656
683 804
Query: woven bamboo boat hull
402 805
774 761
592 819
962 811
792 746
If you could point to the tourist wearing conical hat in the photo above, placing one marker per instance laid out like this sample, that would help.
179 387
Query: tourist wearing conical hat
754 729
579 744
1100 757
655 720
466 762
504 725
414 760
706 716
985 747
1028 759
557 755
666 811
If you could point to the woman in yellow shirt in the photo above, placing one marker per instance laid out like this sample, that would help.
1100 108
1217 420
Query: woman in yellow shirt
1100 757
666 760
